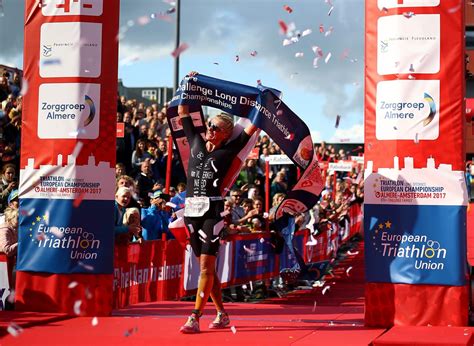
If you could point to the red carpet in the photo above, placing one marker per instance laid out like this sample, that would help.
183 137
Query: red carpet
306 317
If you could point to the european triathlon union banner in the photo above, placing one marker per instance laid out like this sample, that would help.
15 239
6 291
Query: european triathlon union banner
415 227
264 108
54 229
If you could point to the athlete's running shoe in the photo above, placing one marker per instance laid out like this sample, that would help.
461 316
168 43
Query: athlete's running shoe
191 326
221 321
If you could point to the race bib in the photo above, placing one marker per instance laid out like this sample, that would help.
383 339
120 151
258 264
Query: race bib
196 206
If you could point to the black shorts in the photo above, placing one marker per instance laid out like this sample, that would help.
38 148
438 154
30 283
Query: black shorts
205 230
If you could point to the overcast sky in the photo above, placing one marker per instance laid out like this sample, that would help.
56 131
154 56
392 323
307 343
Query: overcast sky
218 30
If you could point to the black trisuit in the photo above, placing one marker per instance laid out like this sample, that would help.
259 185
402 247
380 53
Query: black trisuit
206 172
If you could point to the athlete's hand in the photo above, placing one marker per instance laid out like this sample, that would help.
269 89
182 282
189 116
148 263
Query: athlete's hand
183 110
193 73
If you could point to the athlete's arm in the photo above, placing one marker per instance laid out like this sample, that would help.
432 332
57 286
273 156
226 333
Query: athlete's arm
183 111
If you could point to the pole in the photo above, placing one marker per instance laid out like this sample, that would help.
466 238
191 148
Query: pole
168 164
176 44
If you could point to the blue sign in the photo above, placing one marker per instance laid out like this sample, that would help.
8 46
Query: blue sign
253 258
415 244
55 237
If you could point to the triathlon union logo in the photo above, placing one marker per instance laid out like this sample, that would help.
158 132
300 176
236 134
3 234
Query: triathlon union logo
82 244
428 254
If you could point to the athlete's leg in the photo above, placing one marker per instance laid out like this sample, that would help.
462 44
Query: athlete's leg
207 264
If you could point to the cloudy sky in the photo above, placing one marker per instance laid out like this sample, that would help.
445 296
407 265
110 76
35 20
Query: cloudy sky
219 30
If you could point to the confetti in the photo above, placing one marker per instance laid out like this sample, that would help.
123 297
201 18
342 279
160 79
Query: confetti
411 77
416 138
321 28
88 293
265 215
14 329
77 201
331 323
312 241
352 253
216 63
85 266
171 205
411 69
244 287
182 47
287 8
253 53
130 23
249 251
314 307
259 82
348 271
201 294
233 329
77 149
385 10
77 307
318 51
143 20
262 240
95 321
283 27
408 14
325 289
329 31
327 58
338 120
57 233
319 283
330 10
306 32
237 58
171 10
72 284
299 55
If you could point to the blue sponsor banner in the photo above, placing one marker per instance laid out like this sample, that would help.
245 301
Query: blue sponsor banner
253 258
55 237
415 244
287 258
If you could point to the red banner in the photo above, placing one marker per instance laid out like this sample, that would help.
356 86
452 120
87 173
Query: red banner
68 154
414 85
414 92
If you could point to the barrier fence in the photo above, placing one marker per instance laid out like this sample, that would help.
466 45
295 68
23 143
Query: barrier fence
163 270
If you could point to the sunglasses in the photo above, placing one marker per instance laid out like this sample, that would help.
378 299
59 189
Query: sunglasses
213 126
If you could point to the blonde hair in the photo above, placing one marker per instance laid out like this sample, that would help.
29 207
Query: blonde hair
227 123
128 213
11 214
276 196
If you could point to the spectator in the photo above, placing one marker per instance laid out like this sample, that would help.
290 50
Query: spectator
179 197
7 185
278 184
9 242
139 155
155 219
146 183
132 218
123 232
